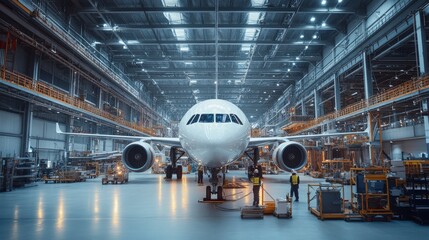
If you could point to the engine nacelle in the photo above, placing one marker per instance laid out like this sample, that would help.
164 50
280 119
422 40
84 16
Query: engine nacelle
290 156
138 156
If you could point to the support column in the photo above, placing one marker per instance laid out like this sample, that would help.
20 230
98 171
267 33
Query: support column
425 108
27 124
316 103
367 76
422 54
337 93
36 66
303 109
371 156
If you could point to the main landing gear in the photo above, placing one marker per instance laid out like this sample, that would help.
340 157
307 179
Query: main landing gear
173 168
215 188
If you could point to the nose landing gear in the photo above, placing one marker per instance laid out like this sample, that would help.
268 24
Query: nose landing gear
215 188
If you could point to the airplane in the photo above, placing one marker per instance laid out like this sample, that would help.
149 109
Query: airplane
215 133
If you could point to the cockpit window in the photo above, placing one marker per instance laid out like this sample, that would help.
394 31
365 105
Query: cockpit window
190 119
207 118
235 119
195 118
222 118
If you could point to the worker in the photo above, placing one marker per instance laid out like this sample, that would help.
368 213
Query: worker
294 185
200 173
256 181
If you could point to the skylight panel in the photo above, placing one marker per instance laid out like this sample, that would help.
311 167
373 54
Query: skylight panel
179 33
258 3
251 34
253 17
245 47
173 17
184 47
170 3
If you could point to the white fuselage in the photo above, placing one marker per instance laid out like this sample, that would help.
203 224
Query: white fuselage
218 134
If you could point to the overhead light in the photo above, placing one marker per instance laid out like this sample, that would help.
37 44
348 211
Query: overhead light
354 93
162 92
293 63
188 63
314 36
121 42
301 36
133 42
312 19
192 82
278 84
184 48
306 47
125 47
297 58
323 24
288 69
323 2
340 1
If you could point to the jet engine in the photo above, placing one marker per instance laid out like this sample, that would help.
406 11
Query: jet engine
290 156
138 156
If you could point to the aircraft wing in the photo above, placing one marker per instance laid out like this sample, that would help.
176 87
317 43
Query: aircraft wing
156 140
254 142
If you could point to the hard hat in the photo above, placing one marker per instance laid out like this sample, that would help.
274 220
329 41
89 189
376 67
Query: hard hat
293 171
256 171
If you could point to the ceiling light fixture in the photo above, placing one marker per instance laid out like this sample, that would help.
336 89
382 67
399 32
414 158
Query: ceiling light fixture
314 36
323 24
312 19
301 36
323 2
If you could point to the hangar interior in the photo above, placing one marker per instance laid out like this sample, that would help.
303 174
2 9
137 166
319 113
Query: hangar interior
128 67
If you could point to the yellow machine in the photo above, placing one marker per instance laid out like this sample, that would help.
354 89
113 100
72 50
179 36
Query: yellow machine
115 175
371 196
329 200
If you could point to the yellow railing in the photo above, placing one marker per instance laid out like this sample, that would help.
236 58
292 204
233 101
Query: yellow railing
403 89
47 90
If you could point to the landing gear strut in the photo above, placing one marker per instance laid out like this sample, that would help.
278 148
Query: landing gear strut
255 159
215 188
173 168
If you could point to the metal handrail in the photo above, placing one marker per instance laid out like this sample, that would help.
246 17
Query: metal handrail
47 90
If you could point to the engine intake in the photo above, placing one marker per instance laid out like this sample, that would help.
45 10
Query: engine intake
138 156
290 156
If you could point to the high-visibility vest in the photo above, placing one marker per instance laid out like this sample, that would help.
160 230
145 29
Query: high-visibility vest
256 181
294 179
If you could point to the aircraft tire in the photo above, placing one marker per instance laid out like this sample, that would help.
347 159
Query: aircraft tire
169 172
208 193
219 193
179 172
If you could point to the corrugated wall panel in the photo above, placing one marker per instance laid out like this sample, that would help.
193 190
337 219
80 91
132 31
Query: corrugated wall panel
10 122
10 146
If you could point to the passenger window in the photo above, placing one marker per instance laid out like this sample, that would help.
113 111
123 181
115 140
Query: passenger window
195 118
190 119
222 118
207 118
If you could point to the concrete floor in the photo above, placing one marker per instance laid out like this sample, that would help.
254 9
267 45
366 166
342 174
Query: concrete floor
148 207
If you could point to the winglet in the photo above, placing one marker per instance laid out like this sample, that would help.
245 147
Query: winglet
57 128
